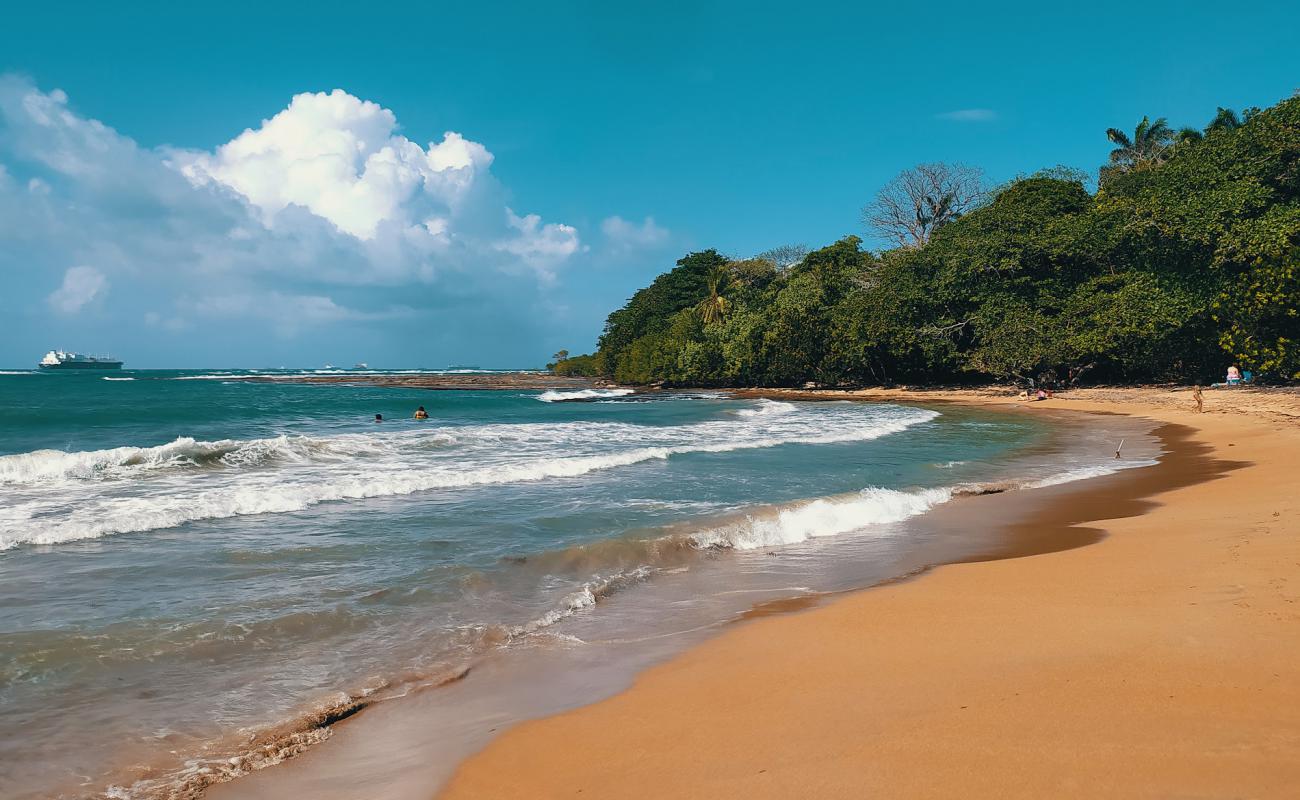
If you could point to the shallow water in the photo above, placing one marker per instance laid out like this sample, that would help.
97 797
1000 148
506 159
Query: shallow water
187 562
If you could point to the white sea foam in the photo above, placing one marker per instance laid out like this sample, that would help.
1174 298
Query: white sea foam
133 489
828 516
18 372
1084 473
117 379
588 595
767 408
556 396
40 467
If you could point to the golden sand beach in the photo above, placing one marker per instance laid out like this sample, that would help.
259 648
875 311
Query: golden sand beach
1162 661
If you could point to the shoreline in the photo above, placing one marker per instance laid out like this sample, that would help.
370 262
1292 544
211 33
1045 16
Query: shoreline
1128 680
362 741
365 753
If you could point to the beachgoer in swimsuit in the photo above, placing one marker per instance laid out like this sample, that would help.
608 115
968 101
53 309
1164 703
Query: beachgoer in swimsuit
420 413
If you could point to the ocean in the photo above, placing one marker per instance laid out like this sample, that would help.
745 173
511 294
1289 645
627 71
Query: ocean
198 572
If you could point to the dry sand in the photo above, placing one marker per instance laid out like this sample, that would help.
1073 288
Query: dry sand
1162 661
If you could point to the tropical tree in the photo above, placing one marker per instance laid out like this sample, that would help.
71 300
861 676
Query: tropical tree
649 310
1173 270
713 308
1224 120
1148 145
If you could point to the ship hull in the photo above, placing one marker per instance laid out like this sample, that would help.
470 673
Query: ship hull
82 365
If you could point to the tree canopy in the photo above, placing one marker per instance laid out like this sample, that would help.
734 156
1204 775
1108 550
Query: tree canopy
1186 259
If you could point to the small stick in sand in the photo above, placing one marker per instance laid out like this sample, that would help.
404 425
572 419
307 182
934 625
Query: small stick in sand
1121 447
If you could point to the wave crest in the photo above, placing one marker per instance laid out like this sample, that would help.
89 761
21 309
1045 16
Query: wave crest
578 395
133 489
828 516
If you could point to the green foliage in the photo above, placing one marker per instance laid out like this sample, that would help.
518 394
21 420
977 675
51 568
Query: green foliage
1259 310
1186 259
1148 145
586 366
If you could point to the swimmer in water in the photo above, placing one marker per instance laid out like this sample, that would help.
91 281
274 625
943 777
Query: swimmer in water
379 418
420 413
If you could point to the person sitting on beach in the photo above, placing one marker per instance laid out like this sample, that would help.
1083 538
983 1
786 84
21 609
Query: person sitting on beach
379 418
420 413
1042 394
1234 375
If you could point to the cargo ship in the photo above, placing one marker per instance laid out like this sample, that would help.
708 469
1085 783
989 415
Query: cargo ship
61 359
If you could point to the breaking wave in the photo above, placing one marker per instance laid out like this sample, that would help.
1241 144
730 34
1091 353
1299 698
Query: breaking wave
557 396
767 408
135 489
827 516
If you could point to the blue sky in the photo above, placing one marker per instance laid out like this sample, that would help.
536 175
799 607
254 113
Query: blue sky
592 145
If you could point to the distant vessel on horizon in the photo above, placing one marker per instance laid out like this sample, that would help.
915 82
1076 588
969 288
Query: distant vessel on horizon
62 359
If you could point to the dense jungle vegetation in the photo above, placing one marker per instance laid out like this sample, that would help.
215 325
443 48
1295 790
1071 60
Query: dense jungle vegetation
1185 260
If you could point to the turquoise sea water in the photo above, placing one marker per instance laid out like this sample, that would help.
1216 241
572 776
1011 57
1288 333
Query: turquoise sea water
187 559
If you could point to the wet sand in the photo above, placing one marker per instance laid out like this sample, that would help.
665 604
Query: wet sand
1158 661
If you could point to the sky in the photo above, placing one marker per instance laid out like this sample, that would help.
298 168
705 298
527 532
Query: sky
432 184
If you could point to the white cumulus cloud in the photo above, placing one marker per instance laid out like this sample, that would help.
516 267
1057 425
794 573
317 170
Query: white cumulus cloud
540 246
324 213
341 158
80 286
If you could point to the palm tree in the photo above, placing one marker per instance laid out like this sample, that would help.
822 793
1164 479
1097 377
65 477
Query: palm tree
716 306
1148 145
1225 120
1186 135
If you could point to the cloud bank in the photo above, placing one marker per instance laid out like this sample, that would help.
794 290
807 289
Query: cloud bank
322 217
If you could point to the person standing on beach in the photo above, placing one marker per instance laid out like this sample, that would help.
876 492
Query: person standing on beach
1196 395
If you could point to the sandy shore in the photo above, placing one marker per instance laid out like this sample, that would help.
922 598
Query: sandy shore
1161 661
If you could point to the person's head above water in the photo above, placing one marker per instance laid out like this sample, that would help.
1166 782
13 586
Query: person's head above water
421 408
379 418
